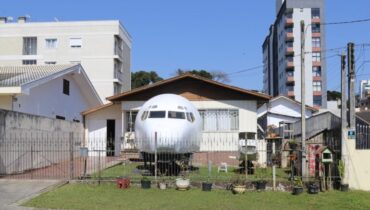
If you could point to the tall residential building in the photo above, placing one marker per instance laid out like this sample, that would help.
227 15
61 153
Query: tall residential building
102 47
364 89
282 50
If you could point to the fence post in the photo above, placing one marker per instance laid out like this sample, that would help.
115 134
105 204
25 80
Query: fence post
246 159
32 160
71 165
155 157
273 167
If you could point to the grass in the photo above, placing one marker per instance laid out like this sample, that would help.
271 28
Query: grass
107 196
198 175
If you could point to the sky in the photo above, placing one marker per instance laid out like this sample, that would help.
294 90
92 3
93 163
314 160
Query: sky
213 35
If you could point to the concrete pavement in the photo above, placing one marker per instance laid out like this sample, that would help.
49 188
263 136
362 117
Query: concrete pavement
14 192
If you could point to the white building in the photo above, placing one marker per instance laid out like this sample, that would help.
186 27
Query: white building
102 47
364 89
236 108
55 91
282 50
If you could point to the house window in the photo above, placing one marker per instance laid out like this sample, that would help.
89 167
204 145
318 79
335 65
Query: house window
50 62
51 43
65 86
29 62
315 13
220 119
316 42
130 119
316 71
75 42
316 86
60 117
316 57
29 45
315 28
317 101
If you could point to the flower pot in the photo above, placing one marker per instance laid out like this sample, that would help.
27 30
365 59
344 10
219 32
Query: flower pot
239 189
313 189
344 187
260 185
145 184
162 185
182 184
206 186
297 190
123 182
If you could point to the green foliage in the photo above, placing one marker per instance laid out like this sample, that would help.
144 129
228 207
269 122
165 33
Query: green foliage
142 78
341 168
333 95
214 75
298 181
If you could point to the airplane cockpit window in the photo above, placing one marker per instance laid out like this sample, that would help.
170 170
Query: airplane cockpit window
190 117
157 114
176 115
144 115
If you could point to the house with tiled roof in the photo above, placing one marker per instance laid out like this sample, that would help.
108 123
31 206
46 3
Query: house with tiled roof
55 91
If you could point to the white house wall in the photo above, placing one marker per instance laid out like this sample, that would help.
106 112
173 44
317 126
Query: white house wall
49 100
96 129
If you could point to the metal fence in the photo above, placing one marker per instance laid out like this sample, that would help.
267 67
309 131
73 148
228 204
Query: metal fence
362 136
220 158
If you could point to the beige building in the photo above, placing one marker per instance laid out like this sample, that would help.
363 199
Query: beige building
102 47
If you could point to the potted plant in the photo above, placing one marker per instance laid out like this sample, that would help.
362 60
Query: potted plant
292 145
238 186
182 183
298 186
260 184
145 183
341 168
207 185
123 182
162 184
313 188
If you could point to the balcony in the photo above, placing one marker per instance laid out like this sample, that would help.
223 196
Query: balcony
316 34
316 63
317 93
290 93
118 76
289 36
289 51
316 78
289 23
316 49
289 65
315 20
290 79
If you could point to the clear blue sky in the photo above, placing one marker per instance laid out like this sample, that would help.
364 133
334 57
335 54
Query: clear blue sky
203 34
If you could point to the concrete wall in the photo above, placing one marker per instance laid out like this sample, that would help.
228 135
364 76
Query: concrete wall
96 55
358 167
29 141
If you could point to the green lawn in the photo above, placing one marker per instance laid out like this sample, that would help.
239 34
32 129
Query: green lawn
107 196
198 175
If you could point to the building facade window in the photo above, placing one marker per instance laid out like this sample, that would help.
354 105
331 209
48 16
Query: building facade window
315 13
316 85
317 101
29 45
50 62
316 42
60 117
29 62
65 87
51 43
220 119
130 119
316 57
315 28
75 42
316 71
117 88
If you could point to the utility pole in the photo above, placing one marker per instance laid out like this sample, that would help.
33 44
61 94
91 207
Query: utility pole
344 114
303 102
351 82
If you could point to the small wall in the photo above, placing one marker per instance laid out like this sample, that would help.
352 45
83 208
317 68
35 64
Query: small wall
30 142
359 167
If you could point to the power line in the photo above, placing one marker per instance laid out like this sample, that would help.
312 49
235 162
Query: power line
347 22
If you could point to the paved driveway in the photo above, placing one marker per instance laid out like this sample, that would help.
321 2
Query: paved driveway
13 192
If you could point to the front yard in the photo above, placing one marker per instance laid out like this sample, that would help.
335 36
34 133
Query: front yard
107 196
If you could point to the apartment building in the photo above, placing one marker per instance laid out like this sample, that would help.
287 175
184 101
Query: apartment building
282 50
103 48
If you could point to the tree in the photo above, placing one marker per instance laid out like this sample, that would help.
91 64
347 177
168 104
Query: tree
142 78
333 95
214 75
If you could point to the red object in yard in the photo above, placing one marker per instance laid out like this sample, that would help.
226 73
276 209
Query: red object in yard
123 182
